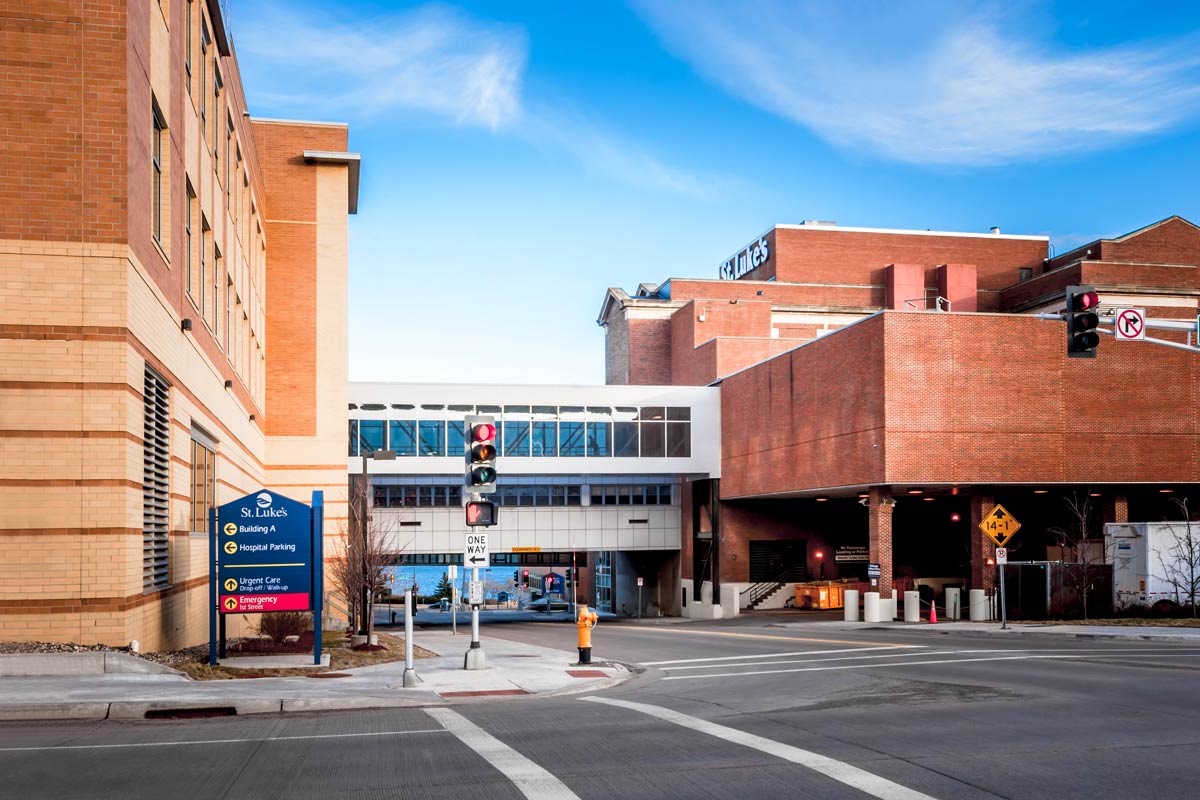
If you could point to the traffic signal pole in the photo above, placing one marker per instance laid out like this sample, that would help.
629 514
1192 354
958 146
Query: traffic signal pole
1177 325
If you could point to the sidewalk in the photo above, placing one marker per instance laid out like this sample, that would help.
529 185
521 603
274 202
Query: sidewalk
1152 633
513 669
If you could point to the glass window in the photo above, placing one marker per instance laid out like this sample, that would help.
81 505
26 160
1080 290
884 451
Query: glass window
433 437
653 413
571 434
408 496
156 165
380 499
516 409
541 495
189 214
573 495
545 438
654 442
402 437
204 484
454 495
425 496
637 495
516 438
370 436
599 436
625 439
679 439
679 413
551 410
456 443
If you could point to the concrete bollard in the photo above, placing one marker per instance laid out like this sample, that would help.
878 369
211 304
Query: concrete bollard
912 606
953 603
978 602
850 597
871 607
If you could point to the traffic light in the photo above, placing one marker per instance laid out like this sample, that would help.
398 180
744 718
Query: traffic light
1082 321
516 576
525 576
481 513
481 455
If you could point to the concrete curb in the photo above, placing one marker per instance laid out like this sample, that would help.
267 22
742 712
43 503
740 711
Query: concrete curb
1012 631
137 709
49 711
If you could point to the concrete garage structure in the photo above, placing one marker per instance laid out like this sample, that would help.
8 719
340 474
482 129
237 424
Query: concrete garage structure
885 389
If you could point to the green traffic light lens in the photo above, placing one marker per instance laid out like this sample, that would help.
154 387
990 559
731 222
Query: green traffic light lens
482 475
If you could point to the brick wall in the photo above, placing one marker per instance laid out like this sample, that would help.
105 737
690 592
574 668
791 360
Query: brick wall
649 352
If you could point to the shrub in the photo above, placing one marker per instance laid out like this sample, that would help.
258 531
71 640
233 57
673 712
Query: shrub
280 624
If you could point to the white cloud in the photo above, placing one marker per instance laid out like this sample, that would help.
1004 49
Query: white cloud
431 59
940 83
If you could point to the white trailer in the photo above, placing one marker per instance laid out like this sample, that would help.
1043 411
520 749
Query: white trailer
1143 555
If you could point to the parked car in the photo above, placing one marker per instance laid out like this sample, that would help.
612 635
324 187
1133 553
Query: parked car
548 604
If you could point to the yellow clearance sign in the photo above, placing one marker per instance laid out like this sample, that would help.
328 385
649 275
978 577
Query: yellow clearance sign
1000 526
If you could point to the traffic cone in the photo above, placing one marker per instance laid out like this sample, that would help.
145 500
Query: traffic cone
933 612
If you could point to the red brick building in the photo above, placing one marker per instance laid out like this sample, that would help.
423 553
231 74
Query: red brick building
885 389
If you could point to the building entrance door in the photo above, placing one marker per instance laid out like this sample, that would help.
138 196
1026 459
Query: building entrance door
778 560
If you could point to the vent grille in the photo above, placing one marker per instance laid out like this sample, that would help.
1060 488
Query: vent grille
156 483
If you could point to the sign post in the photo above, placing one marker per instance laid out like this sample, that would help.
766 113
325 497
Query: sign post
266 557
1001 527
475 552
639 597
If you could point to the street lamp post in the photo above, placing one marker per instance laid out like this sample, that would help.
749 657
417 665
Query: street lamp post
364 626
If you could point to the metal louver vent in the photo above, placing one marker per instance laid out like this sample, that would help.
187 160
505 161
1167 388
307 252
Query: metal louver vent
156 483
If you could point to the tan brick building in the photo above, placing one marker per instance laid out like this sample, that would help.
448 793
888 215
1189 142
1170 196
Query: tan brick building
173 314
883 390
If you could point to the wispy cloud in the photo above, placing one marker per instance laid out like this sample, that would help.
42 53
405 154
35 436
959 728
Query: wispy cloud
937 83
436 61
431 59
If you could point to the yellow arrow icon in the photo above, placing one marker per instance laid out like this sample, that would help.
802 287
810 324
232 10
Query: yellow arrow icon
230 603
230 528
230 585
231 547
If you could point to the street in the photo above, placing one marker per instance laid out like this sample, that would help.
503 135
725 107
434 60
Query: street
741 708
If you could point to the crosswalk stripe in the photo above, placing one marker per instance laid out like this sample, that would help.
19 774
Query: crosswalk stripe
532 780
816 660
840 771
781 655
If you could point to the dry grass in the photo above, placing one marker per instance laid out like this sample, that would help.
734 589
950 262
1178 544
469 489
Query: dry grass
341 657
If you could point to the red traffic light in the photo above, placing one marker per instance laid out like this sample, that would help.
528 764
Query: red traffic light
481 513
525 573
483 432
1084 300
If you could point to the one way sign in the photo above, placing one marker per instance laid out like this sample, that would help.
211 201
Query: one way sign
476 554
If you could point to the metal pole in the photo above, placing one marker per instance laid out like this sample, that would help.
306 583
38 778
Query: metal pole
364 624
454 610
474 613
1003 604
639 599
410 675
213 596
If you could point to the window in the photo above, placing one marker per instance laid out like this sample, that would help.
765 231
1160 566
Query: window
213 320
229 350
187 57
653 433
516 438
188 215
156 162
205 41
679 433
625 439
432 437
366 436
455 438
156 481
545 438
216 119
571 439
599 438
204 479
228 162
200 292
402 437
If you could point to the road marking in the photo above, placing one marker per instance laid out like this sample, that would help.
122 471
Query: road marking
532 780
778 655
813 660
216 741
915 664
656 630
840 771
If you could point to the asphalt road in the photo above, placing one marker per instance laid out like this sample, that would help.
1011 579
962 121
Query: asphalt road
739 709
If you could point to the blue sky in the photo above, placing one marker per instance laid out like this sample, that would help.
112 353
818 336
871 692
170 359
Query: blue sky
520 158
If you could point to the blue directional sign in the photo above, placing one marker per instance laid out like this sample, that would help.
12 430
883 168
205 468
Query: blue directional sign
554 583
264 554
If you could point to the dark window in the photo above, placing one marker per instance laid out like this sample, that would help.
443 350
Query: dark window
573 495
516 438
572 443
599 436
625 439
433 437
402 437
679 439
516 409
541 495
653 413
545 438
156 163
653 440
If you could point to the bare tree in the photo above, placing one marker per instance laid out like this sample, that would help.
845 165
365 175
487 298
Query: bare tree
360 568
1083 549
1180 562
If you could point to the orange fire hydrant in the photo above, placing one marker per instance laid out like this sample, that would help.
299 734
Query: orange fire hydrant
587 620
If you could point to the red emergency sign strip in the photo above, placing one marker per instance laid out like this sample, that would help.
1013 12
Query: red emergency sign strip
256 603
